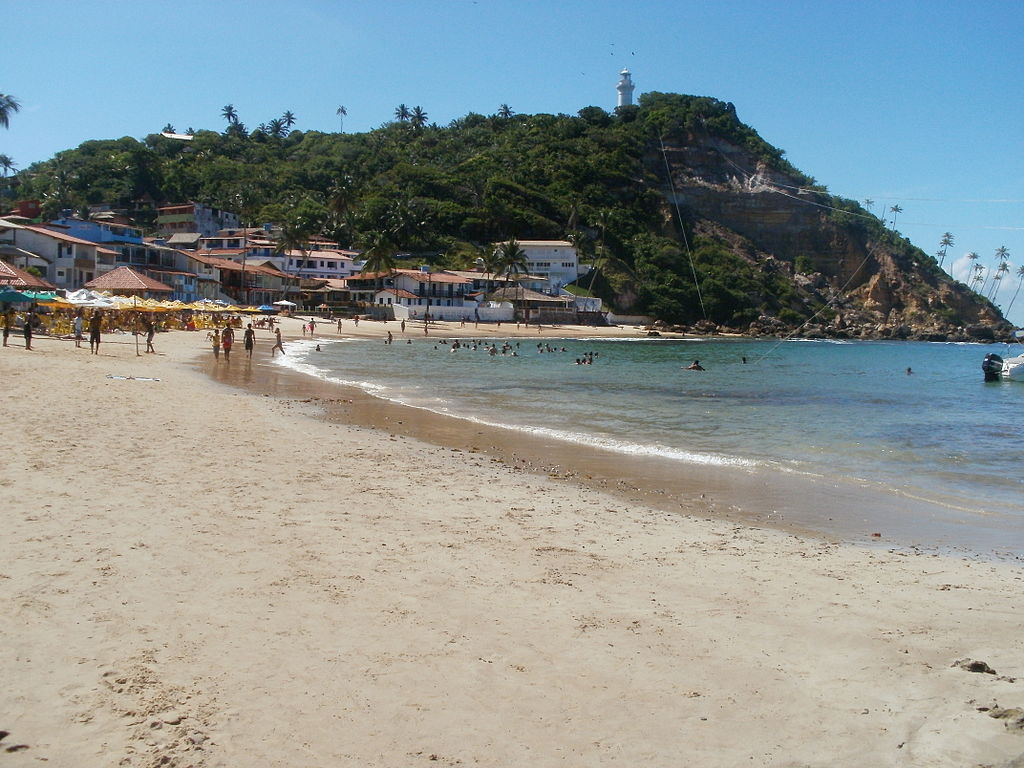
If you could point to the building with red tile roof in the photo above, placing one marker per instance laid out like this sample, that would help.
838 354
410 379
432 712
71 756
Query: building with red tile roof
125 281
19 278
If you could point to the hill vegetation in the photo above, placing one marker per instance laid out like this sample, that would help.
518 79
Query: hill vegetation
685 212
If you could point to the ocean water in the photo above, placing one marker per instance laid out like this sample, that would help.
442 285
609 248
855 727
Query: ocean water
846 411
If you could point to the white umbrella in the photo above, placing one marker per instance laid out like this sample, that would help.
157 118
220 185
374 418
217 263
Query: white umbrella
285 303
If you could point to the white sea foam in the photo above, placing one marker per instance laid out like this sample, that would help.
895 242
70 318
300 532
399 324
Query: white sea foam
444 408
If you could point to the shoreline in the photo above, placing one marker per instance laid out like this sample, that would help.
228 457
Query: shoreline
859 513
198 575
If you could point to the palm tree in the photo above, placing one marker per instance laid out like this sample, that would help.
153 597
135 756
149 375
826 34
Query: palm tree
1020 279
973 260
505 112
8 106
229 113
169 128
288 118
1001 270
418 117
1001 253
6 164
276 128
603 216
510 261
947 241
894 210
380 252
341 112
402 112
979 276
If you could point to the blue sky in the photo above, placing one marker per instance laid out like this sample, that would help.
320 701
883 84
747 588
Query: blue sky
916 104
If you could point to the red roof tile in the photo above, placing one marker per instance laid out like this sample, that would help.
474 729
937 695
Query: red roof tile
127 279
19 278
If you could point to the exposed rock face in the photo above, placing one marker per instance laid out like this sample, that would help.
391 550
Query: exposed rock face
878 284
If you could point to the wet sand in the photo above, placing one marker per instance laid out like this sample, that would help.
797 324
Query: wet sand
824 507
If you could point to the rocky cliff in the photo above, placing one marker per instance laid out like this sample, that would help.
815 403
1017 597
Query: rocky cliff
868 281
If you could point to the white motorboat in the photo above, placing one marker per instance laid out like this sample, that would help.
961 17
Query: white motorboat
996 367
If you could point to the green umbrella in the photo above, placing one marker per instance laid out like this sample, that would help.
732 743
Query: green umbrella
10 296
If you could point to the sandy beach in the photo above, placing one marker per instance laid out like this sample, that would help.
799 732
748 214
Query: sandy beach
197 574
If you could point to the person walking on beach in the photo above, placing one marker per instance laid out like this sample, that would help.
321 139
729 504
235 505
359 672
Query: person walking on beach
95 326
214 337
77 325
249 339
227 339
277 344
8 323
147 323
27 330
403 326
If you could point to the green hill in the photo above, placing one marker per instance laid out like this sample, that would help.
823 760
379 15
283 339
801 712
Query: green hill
686 213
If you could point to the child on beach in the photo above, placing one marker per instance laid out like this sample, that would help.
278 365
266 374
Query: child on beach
277 344
214 336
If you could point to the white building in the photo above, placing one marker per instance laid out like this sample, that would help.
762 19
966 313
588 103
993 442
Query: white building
555 260
625 88
322 264
68 262
194 217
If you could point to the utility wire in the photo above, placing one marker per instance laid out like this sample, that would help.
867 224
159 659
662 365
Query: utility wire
682 229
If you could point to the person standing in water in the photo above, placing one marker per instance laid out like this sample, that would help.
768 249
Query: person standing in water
227 340
249 339
277 344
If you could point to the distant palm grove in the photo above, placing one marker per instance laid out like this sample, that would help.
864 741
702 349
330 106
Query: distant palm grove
444 195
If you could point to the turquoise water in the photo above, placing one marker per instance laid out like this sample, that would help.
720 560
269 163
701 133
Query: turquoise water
840 410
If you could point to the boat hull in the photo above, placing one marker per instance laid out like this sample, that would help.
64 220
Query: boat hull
1013 369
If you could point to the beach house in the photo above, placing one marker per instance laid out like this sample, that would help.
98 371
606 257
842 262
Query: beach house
194 217
557 261
66 261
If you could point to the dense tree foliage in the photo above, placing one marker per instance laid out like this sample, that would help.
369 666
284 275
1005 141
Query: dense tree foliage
443 193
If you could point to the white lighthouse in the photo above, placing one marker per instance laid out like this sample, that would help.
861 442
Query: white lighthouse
625 89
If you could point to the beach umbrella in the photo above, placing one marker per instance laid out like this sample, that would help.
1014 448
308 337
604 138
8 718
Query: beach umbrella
266 308
10 296
285 303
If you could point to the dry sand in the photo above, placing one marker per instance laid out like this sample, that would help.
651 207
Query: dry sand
195 575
